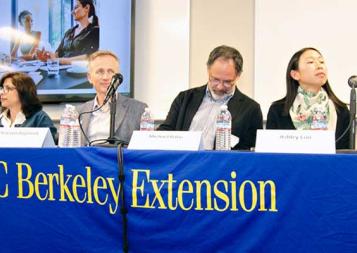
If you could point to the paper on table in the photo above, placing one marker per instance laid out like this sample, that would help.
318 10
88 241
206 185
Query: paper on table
44 68
27 66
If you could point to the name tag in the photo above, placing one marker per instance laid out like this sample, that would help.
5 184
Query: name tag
296 141
166 140
32 137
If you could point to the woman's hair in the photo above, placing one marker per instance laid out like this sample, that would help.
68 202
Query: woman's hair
22 16
292 84
26 89
91 11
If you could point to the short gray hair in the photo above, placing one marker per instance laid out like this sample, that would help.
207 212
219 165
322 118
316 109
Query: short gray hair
101 53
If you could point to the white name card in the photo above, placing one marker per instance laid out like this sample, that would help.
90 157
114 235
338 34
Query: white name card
30 137
166 140
296 141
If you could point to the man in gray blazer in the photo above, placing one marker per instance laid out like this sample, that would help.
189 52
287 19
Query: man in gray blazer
102 65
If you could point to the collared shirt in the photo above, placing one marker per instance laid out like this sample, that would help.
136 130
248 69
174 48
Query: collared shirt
6 121
205 117
99 123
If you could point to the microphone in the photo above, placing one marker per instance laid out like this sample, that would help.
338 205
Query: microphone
352 81
351 128
117 79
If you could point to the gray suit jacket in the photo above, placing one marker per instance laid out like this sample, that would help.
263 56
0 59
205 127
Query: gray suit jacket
127 117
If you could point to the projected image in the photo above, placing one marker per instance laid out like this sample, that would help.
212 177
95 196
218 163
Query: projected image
50 40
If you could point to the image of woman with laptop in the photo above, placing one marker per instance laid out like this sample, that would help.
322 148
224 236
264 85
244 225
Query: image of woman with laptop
80 40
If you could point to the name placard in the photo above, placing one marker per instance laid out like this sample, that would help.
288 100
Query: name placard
31 137
166 140
296 141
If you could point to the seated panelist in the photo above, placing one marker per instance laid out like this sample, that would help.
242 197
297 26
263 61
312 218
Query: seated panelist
20 104
309 102
196 109
102 66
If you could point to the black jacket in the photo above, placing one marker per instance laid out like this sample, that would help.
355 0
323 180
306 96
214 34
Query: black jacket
86 42
246 115
278 120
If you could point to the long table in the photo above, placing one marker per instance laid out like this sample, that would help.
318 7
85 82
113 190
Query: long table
67 200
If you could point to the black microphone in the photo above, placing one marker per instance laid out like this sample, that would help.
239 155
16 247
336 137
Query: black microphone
352 81
117 79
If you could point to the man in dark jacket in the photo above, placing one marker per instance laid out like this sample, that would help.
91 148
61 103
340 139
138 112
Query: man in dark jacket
196 109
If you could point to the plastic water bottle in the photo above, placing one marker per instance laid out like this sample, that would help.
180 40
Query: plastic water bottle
69 130
147 122
223 129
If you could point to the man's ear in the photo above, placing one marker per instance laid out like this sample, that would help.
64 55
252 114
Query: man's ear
295 75
238 77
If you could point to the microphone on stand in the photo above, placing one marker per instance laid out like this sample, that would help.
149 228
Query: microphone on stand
117 79
352 82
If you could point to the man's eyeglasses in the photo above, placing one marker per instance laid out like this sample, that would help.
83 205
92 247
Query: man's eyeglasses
102 72
226 83
6 89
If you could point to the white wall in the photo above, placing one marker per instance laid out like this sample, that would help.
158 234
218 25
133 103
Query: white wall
213 23
283 27
162 40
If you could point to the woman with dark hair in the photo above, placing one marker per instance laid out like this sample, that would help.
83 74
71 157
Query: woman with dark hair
310 102
81 40
27 41
20 104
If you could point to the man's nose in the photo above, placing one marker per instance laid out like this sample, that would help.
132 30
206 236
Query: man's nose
221 86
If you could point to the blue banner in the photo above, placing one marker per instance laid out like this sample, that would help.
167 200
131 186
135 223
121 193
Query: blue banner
67 200
59 200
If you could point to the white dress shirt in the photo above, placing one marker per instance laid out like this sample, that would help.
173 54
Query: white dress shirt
99 123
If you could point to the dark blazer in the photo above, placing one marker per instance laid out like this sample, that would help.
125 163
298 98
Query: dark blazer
278 120
127 117
246 115
86 42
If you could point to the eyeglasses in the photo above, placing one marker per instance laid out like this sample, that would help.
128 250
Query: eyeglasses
6 89
102 72
226 83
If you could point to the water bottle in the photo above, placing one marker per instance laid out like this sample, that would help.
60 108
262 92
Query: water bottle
223 129
69 130
146 122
